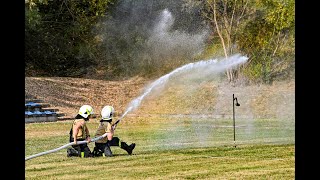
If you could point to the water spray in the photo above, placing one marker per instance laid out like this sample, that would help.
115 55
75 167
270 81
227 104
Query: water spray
206 66
234 121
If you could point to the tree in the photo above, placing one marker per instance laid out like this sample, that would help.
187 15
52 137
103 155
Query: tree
269 39
59 41
227 18
263 30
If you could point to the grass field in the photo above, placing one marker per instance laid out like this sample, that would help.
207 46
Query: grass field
171 147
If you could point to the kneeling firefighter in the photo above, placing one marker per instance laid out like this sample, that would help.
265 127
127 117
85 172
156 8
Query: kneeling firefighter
80 132
102 146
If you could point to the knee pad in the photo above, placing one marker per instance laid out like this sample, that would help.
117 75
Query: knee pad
107 151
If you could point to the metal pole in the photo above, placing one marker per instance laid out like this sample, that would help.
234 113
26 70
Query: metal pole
234 123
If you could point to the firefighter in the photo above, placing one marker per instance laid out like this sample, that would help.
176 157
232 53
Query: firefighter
80 132
102 146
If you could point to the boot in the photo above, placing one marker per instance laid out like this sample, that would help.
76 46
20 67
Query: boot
128 148
97 152
72 152
131 147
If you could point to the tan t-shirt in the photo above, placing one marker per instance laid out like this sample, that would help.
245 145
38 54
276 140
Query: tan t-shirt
82 130
104 127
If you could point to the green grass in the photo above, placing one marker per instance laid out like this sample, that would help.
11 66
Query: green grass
171 148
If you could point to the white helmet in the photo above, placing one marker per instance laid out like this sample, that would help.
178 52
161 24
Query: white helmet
85 111
107 112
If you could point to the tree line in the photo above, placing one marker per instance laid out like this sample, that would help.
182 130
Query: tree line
75 38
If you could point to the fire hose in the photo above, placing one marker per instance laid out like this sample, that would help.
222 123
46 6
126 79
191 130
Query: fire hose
64 146
72 143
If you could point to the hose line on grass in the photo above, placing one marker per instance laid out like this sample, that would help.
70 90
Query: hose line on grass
64 146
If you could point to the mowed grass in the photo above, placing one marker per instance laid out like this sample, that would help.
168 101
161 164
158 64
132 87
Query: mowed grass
170 147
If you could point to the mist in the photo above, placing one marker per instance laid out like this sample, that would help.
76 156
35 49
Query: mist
148 34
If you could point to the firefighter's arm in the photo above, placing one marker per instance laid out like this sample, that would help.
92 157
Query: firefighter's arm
110 131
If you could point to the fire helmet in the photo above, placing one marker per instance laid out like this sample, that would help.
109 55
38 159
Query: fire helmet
107 112
85 111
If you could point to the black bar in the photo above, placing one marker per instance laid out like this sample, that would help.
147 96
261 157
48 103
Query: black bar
234 123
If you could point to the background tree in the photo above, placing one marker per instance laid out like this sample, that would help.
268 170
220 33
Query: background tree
112 38
58 38
269 40
227 18
263 30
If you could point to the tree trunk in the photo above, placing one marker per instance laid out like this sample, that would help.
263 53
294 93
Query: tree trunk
229 74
